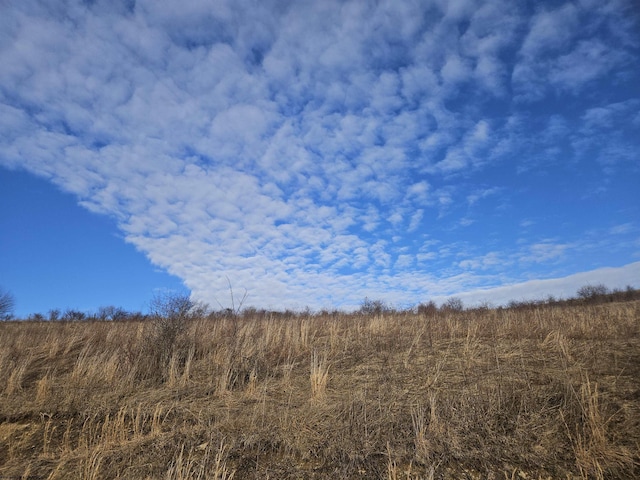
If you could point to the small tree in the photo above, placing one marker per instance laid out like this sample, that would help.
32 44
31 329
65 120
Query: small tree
429 308
170 314
592 292
7 304
373 307
453 304
72 315
631 293
112 313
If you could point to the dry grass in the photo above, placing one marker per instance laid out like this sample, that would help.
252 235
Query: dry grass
549 392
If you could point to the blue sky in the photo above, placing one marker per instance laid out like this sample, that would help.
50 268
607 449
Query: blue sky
314 153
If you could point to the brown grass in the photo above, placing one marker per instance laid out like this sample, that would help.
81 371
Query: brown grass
548 392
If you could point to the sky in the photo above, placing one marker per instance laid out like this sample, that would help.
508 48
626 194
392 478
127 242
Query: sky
317 153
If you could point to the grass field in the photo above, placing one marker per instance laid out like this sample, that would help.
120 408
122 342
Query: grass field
521 393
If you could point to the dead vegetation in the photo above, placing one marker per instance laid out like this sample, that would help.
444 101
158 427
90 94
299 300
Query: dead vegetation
544 392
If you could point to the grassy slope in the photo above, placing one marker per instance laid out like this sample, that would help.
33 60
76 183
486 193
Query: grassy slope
549 392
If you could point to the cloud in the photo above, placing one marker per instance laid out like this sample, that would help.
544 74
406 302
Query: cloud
550 30
404 261
415 221
545 252
563 287
622 229
562 52
476 196
486 261
590 59
455 70
605 134
468 153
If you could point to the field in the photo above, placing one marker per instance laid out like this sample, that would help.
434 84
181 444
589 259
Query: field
512 393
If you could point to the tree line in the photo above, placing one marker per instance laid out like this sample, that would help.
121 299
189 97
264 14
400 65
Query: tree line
171 304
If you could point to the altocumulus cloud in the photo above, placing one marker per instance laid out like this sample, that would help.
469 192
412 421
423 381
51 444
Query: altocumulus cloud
318 152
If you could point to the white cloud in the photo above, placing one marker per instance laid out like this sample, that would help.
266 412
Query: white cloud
545 252
468 153
550 30
476 196
622 229
455 70
396 219
425 257
415 221
404 261
419 193
560 50
563 287
489 260
590 59
608 116
606 133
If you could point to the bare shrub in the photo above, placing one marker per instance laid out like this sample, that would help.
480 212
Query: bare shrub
373 307
453 304
592 292
112 313
170 314
7 304
429 308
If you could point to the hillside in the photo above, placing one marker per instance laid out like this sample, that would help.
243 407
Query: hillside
540 392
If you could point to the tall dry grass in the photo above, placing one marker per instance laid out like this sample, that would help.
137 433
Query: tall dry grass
548 392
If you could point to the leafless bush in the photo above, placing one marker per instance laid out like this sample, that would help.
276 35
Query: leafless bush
72 315
373 307
170 314
112 313
592 292
7 304
453 304
429 308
